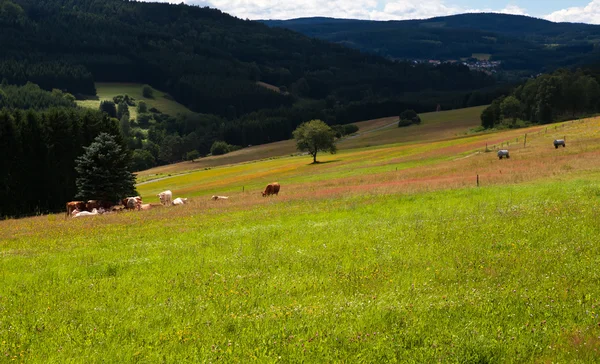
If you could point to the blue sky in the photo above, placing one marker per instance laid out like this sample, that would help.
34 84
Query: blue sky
583 11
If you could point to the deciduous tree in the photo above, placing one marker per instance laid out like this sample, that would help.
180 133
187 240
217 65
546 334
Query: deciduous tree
315 136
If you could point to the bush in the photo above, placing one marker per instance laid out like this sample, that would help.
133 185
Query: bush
109 107
350 129
143 120
408 117
190 156
142 107
147 91
220 148
342 130
130 101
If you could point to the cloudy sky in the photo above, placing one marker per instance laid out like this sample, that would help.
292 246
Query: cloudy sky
586 11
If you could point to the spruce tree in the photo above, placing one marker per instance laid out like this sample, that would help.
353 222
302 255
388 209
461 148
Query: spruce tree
103 171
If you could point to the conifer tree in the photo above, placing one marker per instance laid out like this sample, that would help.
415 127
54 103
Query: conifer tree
103 171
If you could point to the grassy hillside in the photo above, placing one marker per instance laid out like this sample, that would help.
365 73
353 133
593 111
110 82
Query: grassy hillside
381 254
434 126
161 100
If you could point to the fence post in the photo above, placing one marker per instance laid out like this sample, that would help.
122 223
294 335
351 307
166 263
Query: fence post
525 141
477 180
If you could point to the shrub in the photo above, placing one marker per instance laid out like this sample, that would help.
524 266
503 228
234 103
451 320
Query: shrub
147 91
109 107
409 117
220 147
142 107
143 120
190 156
130 101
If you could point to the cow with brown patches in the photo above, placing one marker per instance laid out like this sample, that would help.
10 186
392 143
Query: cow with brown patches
272 189
132 203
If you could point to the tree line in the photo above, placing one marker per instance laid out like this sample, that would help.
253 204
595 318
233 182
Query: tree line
39 147
561 95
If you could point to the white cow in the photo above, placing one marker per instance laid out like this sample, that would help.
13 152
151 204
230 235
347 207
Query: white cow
220 198
179 201
165 197
86 213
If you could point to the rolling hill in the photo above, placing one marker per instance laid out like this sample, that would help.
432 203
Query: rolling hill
387 253
522 43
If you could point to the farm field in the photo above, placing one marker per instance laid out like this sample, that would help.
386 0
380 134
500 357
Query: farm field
378 254
161 101
434 126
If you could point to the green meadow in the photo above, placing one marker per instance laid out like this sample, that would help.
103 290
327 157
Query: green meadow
378 254
160 100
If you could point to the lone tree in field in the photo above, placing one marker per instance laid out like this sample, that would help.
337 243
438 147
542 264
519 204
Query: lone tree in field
103 171
315 136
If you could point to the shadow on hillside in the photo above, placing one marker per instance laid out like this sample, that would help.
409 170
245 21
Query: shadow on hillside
317 162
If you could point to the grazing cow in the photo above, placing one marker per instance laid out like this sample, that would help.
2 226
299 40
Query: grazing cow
74 205
179 201
503 153
86 213
559 142
165 197
272 189
219 198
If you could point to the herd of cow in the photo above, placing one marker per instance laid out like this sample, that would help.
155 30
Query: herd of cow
557 143
96 207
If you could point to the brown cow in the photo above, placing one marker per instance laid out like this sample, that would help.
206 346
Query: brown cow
74 205
272 189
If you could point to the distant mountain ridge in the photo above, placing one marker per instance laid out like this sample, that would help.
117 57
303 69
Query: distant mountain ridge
523 43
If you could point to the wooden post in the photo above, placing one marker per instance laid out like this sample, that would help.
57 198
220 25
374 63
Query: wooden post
243 187
525 141
477 180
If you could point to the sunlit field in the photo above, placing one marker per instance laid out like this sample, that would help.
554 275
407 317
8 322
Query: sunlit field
378 254
435 126
160 101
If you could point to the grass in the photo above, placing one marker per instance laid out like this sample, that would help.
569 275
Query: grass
354 261
160 101
435 126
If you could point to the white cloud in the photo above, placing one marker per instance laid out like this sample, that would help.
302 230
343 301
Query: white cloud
583 14
355 9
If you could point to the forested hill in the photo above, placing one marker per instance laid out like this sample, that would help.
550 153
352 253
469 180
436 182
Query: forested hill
205 59
522 43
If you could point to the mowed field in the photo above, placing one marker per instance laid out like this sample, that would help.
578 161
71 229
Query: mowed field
160 100
379 254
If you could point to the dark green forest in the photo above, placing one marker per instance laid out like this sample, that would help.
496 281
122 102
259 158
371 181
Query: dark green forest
525 45
41 134
562 95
